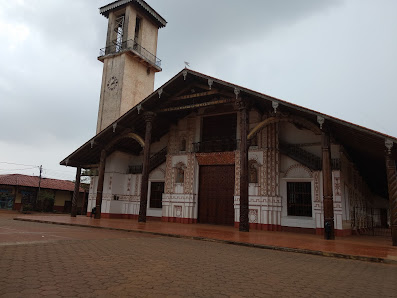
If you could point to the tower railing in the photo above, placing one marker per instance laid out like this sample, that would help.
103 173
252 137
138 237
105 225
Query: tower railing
130 45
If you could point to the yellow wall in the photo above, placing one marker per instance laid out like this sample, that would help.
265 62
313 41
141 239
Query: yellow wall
61 196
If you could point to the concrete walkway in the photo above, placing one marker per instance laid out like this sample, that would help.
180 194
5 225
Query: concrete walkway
375 249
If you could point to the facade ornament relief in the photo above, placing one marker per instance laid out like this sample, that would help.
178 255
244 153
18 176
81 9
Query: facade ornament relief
210 82
298 171
184 73
275 105
237 173
389 145
337 186
178 211
253 216
317 186
168 176
236 92
189 175
320 121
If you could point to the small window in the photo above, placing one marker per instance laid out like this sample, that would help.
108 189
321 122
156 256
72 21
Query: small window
299 199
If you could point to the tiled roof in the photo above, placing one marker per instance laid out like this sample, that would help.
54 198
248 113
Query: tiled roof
33 181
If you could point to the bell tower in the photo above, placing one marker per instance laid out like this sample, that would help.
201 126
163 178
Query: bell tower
129 58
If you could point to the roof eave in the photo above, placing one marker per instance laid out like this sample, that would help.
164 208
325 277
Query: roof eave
105 10
68 161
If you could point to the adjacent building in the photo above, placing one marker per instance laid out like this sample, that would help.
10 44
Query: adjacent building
21 192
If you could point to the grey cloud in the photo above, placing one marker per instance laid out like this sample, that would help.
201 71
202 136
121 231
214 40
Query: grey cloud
202 30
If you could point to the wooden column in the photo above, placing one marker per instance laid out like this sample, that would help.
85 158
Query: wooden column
392 188
99 191
76 192
149 116
244 200
328 201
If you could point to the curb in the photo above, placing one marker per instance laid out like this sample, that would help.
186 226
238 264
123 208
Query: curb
262 246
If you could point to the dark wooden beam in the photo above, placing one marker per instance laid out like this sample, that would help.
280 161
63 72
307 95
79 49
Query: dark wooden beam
101 178
328 202
76 192
183 90
244 199
149 116
92 166
195 95
392 188
202 86
195 106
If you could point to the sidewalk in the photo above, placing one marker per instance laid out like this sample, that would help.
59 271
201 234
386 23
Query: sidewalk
366 248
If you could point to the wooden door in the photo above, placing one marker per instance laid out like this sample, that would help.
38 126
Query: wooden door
216 195
156 194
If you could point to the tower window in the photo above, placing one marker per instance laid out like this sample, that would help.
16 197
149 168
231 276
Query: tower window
138 24
119 29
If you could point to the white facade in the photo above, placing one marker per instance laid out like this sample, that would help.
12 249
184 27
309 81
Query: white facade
267 197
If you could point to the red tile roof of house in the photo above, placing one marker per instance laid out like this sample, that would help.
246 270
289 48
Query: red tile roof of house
33 181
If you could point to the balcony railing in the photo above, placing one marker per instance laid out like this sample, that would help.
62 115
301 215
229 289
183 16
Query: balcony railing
222 145
130 45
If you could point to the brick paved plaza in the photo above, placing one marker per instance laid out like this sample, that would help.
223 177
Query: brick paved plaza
50 260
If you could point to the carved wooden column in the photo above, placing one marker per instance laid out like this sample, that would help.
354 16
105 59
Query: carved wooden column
76 192
244 200
149 116
328 201
101 177
392 188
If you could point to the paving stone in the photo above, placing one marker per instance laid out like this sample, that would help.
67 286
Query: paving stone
119 264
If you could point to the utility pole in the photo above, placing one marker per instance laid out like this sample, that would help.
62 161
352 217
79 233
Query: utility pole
38 193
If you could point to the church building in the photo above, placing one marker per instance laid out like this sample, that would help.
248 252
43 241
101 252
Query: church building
199 150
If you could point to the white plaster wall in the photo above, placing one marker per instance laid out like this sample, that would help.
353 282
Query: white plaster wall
158 145
290 134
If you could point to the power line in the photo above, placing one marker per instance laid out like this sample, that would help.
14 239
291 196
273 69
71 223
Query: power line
19 164
17 169
50 173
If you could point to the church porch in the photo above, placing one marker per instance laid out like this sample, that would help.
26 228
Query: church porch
376 249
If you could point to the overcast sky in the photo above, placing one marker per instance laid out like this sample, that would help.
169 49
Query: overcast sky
334 56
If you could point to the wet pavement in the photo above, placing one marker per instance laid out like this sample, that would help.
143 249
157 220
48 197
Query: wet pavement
378 249
47 260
